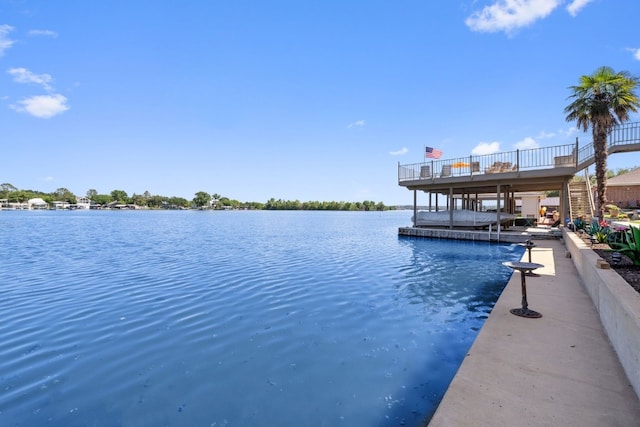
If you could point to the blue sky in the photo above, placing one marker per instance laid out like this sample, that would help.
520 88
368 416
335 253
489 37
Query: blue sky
306 100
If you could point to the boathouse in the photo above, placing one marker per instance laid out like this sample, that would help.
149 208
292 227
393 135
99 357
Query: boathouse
467 182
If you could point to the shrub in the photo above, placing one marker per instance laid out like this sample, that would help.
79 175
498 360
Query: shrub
627 242
600 230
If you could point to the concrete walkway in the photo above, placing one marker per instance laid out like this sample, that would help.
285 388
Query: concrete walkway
559 370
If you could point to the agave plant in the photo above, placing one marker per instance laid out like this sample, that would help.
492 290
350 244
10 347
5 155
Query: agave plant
600 231
578 223
627 242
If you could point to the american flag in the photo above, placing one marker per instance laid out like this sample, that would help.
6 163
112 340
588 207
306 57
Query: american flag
432 153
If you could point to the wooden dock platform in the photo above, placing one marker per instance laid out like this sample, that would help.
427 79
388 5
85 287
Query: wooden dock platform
513 234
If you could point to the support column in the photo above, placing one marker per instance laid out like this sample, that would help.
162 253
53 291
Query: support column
498 209
450 202
415 207
564 202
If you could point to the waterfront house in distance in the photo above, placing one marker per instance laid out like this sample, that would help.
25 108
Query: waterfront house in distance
5 204
37 204
83 203
60 205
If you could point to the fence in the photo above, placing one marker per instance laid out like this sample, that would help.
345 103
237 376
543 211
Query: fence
568 155
509 161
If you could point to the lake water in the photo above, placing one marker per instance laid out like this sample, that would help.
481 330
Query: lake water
242 318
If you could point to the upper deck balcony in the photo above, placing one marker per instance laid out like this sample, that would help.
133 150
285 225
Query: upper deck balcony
535 169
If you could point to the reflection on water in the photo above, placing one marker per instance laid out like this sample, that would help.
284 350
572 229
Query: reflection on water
448 274
234 318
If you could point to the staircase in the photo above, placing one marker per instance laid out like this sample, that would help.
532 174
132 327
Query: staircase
581 199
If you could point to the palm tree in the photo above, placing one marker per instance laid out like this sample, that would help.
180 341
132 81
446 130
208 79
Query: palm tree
602 100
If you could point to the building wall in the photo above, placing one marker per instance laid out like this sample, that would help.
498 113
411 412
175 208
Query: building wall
530 206
623 196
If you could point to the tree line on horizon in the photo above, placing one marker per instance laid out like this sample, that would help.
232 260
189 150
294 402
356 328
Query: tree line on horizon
201 200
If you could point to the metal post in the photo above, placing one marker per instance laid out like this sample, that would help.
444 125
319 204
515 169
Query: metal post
523 285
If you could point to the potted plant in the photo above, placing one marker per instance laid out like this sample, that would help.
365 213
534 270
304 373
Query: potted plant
613 211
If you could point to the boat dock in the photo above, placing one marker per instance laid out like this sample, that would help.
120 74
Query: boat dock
515 234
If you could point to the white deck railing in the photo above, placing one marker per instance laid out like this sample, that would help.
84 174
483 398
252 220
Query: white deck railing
510 161
568 155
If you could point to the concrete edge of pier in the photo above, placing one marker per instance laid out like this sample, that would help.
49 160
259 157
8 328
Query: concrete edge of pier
561 369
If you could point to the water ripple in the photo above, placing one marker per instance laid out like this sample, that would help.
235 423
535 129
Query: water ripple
234 318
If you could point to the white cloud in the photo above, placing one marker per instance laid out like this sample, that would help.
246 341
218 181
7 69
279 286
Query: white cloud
42 106
576 5
526 144
546 135
486 148
400 152
5 41
510 15
46 33
569 132
359 123
22 75
635 52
